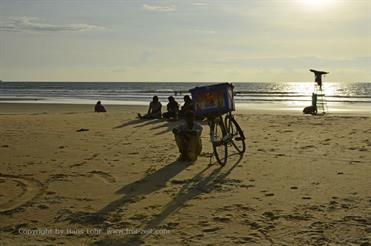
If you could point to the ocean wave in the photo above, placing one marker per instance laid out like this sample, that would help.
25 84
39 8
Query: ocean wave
353 93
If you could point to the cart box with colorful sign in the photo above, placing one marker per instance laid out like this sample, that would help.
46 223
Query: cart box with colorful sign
213 100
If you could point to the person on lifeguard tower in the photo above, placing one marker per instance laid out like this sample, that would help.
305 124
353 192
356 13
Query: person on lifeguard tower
318 77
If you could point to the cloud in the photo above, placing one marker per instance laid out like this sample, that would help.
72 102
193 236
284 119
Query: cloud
159 8
199 4
298 62
33 24
201 31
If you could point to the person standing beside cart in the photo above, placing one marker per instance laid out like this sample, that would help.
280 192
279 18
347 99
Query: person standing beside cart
188 138
187 106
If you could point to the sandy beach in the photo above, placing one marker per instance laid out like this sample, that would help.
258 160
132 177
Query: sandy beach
70 176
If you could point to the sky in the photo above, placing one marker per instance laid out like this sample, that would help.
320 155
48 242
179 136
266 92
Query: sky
185 40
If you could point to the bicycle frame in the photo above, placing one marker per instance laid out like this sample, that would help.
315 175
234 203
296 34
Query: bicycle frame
227 135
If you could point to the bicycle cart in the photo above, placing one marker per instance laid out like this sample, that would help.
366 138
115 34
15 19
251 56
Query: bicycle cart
216 103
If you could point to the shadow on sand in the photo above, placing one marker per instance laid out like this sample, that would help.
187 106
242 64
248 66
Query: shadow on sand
168 126
129 123
199 184
138 123
137 190
132 192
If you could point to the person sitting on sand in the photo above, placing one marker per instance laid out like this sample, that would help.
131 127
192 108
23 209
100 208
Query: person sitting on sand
154 110
312 109
99 107
188 138
172 109
187 106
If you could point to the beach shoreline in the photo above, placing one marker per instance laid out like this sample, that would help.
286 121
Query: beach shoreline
20 108
72 176
257 97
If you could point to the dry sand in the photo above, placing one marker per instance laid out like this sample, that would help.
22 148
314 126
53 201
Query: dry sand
304 180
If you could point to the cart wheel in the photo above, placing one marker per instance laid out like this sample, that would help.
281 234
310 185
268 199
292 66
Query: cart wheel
238 137
216 135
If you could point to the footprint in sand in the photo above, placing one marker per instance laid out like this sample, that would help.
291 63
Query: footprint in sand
17 192
247 186
308 147
92 157
280 155
270 215
246 240
269 194
171 225
211 229
105 176
78 164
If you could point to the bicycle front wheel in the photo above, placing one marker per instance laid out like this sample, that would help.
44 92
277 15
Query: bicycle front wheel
217 132
238 137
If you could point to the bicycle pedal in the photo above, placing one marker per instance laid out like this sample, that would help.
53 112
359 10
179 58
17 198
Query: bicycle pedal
227 138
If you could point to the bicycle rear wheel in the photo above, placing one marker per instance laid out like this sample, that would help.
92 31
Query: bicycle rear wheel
238 137
217 132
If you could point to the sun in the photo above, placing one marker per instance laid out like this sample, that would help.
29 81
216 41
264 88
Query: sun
317 4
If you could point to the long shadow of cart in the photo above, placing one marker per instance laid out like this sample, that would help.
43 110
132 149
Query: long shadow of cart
197 186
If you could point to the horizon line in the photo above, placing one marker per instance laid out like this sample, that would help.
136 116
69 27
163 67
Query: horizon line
70 81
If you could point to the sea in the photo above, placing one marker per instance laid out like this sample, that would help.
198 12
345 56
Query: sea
259 96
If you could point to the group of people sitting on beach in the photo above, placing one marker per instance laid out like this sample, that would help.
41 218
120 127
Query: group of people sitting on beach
173 111
187 135
155 109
